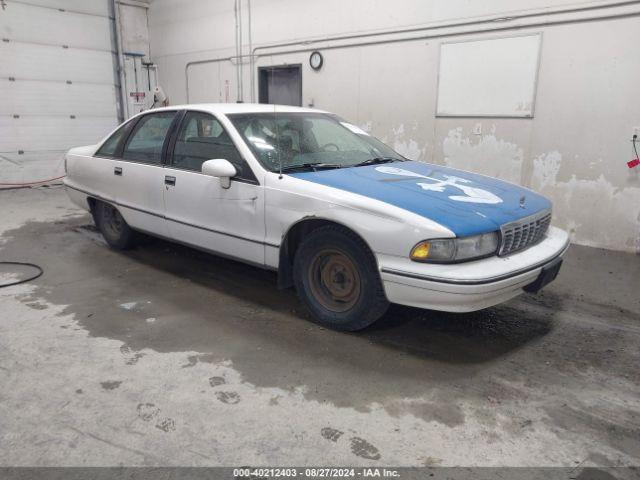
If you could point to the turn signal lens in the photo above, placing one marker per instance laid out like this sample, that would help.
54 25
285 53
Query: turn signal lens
421 251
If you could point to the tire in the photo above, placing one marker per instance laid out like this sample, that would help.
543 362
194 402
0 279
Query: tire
113 227
336 277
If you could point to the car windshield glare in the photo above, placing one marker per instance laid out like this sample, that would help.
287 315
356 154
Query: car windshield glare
309 141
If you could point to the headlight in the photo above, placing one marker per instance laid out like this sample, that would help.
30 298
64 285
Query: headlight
450 250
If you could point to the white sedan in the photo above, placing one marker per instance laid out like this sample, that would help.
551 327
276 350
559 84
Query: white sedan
341 216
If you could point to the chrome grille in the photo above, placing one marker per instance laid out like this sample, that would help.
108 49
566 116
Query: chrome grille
525 232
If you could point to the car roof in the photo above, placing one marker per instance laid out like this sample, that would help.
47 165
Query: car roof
228 108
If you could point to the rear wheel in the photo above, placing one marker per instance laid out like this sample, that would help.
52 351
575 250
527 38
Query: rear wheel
113 227
336 277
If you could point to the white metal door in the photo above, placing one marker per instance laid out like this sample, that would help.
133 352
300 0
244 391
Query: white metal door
57 84
139 192
228 221
139 182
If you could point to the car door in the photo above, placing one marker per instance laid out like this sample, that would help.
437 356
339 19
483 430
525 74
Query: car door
139 173
200 212
97 176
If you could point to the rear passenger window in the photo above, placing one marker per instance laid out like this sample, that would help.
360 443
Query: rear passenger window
201 138
146 140
110 146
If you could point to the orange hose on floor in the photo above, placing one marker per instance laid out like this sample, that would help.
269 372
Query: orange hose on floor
30 183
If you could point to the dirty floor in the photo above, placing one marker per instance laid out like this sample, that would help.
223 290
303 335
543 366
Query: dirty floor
169 356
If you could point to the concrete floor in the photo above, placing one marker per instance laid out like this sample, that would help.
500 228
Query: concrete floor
167 356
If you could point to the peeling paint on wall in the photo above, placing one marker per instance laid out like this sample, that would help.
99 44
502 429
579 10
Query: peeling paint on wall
408 147
545 169
595 212
488 155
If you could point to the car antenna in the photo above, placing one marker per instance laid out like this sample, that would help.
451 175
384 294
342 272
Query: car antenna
275 123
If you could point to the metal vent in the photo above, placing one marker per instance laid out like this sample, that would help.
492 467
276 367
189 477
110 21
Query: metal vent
525 232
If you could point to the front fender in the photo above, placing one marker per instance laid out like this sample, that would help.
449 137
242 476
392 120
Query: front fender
384 228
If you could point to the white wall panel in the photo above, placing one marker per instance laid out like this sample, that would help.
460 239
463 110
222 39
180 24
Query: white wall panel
43 62
27 23
212 83
489 77
182 26
28 167
93 7
57 98
36 134
135 35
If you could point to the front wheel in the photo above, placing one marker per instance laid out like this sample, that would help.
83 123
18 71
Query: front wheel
113 227
336 277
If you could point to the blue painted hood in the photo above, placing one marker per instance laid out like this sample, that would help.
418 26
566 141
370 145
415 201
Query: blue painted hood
464 202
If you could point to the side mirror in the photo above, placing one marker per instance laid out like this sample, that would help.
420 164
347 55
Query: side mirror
220 168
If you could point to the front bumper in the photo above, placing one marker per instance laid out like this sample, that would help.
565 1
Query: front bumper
469 286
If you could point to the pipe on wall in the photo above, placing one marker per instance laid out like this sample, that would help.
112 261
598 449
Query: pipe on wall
123 111
237 10
506 23
240 47
235 15
436 26
250 46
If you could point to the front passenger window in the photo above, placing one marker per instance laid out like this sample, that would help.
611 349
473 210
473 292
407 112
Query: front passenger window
147 139
201 138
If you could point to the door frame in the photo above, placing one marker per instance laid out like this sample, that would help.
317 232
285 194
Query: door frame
263 85
193 231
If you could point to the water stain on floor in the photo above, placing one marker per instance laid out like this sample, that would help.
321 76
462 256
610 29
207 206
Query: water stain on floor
412 362
110 385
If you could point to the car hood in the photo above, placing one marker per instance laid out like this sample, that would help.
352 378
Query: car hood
466 203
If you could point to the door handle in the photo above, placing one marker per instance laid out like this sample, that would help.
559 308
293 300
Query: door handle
169 180
117 171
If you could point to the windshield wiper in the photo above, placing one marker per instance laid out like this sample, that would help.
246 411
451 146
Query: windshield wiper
310 166
377 160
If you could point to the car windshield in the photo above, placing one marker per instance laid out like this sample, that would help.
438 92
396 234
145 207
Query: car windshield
309 141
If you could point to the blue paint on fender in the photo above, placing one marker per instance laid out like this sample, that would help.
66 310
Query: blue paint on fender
464 202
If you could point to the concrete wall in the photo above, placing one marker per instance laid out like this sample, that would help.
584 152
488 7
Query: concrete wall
574 149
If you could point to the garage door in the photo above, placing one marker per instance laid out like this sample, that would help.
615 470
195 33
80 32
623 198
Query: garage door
57 83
